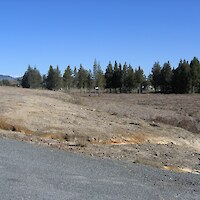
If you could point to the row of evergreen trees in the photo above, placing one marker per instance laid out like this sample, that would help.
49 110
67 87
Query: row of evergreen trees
183 79
116 78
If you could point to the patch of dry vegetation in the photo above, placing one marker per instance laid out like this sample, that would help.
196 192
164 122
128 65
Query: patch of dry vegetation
156 130
4 125
176 110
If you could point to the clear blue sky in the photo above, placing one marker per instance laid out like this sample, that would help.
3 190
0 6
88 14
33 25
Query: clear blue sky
73 32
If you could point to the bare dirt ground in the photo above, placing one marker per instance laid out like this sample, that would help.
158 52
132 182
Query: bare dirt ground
153 129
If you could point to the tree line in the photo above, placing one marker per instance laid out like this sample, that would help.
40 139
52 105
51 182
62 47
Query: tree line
119 78
183 79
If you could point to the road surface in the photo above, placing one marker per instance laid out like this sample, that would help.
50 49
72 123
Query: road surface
29 171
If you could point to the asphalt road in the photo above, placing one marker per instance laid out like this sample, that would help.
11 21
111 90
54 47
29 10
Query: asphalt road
33 172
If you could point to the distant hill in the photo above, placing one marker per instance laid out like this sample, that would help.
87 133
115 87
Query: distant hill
5 77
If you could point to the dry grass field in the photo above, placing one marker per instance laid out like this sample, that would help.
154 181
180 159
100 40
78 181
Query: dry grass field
153 129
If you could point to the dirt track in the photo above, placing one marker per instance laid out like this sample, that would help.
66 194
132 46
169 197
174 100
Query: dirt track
157 130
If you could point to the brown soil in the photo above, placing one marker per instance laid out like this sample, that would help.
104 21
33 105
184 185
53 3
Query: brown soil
153 129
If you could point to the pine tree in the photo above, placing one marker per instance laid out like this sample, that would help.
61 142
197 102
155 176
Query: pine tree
166 78
100 80
31 78
54 80
156 75
124 77
139 78
95 72
182 78
58 78
175 80
109 77
25 80
130 81
36 78
74 76
116 77
51 81
44 81
120 77
195 74
82 78
67 78
89 81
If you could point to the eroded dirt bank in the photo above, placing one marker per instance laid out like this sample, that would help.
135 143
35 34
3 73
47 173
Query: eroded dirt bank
157 130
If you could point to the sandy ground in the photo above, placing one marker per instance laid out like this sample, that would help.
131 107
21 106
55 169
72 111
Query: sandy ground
153 129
